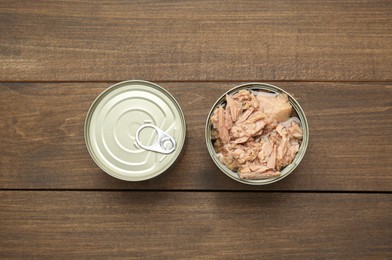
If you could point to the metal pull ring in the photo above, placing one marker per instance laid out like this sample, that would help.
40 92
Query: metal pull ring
164 144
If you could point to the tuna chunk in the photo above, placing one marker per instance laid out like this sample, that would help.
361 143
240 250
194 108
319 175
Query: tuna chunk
277 106
222 129
295 130
259 176
234 107
272 158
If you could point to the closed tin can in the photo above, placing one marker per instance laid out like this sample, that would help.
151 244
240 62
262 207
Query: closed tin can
297 111
135 130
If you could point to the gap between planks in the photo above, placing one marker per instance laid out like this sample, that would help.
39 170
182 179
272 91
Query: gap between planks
203 191
198 81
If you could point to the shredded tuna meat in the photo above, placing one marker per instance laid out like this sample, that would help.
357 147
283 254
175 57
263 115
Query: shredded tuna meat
255 135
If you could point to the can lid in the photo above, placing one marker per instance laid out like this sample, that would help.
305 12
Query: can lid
135 130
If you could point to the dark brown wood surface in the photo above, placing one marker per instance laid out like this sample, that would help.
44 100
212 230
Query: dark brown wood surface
43 146
195 224
335 57
195 40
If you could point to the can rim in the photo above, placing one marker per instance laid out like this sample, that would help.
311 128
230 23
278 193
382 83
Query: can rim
289 168
92 109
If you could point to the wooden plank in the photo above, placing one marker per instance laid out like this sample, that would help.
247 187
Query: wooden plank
195 40
42 144
193 224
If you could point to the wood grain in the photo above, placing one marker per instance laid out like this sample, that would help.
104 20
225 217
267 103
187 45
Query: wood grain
42 144
195 40
194 225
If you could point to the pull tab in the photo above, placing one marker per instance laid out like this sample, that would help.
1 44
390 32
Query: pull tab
164 144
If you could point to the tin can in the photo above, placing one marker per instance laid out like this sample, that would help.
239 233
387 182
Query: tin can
298 111
135 130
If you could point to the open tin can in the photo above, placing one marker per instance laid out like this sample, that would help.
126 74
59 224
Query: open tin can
135 130
297 111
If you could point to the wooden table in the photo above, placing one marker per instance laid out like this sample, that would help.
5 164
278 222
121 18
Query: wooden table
335 57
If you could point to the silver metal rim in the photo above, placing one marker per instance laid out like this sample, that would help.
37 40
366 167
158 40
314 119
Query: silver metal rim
288 169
